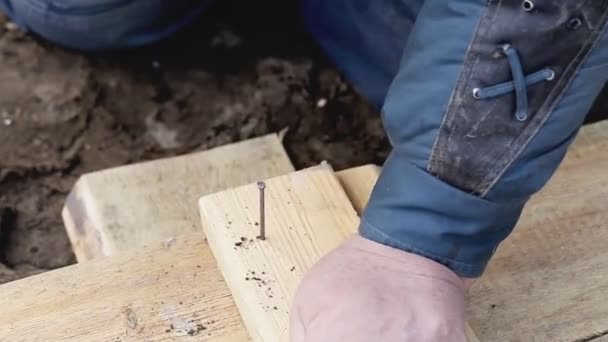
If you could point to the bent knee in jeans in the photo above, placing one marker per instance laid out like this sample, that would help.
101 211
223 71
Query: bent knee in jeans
101 25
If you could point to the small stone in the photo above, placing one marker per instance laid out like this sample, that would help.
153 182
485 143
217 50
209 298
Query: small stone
8 122
11 26
321 102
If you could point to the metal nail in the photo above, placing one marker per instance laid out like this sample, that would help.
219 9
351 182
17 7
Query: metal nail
262 236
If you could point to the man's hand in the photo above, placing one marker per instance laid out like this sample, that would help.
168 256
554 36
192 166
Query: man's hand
364 291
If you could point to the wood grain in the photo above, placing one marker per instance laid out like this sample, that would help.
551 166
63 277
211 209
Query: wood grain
131 206
549 280
308 214
133 296
168 292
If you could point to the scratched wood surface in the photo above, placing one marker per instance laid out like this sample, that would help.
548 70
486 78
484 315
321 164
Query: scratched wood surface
549 280
163 292
546 283
124 208
307 215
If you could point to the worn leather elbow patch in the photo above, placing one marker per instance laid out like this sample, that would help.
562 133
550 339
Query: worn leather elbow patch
520 62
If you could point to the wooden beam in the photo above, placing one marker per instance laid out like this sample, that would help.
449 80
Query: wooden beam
307 215
165 291
549 280
124 208
550 290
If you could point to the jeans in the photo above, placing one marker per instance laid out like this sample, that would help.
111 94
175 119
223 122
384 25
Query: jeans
480 99
102 25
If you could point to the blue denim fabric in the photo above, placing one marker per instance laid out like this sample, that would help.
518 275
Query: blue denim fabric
422 202
102 25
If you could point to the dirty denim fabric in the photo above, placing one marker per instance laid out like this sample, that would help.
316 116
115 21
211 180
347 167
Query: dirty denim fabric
102 25
464 165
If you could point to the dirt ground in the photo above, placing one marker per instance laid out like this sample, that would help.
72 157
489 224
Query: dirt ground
234 75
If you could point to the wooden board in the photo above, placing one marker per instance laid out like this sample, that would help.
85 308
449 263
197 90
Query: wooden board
307 215
358 183
133 296
549 280
166 292
541 294
131 206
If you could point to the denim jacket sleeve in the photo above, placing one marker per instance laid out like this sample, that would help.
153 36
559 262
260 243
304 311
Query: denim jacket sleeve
487 99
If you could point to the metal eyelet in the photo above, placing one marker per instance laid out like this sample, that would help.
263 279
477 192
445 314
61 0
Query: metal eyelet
476 93
527 5
521 117
551 76
574 23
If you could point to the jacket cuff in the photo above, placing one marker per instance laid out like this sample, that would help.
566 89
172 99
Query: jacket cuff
413 211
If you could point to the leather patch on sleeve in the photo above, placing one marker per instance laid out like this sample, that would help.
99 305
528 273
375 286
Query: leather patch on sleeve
479 139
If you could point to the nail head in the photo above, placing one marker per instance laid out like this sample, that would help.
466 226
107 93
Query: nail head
476 93
527 5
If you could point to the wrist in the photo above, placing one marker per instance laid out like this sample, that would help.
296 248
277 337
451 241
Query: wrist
411 263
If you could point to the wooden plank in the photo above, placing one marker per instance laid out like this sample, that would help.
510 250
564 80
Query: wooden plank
133 296
358 183
131 206
549 280
307 215
87 302
169 291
